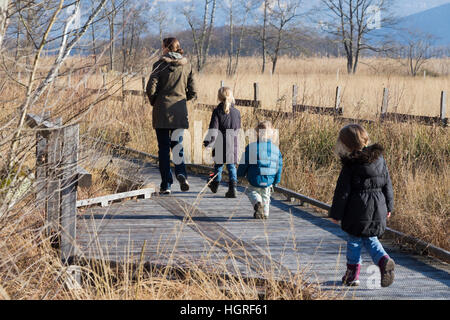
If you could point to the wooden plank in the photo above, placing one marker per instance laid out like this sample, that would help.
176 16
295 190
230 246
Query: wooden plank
399 117
104 200
69 162
317 110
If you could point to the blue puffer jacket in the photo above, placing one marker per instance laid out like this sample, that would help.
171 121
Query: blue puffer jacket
263 164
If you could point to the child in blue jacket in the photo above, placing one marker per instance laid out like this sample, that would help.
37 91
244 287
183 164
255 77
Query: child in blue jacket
262 166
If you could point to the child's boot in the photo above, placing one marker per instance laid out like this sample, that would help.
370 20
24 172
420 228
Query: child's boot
231 193
387 266
214 184
351 277
259 214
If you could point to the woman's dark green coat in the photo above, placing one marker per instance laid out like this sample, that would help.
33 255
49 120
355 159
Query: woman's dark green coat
170 86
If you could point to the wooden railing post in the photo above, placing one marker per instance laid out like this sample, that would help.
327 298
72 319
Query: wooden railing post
294 96
337 101
69 162
255 94
123 87
442 114
384 106
54 180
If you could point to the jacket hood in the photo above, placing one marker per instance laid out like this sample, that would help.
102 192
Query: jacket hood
367 155
174 58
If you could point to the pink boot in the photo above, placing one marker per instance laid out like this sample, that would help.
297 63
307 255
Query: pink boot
351 277
387 266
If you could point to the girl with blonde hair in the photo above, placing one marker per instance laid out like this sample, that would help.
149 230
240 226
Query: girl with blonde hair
363 201
224 128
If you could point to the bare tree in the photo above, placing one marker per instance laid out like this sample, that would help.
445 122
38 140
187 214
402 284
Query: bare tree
111 20
236 10
94 45
133 25
201 32
3 18
266 5
35 87
351 21
160 20
282 13
416 48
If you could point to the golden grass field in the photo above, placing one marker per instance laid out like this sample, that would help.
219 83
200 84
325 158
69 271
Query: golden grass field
417 157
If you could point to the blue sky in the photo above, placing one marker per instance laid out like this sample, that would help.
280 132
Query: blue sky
178 21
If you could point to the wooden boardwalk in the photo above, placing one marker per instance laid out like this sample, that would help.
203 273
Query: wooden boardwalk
221 234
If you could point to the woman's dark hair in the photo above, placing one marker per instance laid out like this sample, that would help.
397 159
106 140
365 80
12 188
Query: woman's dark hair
173 45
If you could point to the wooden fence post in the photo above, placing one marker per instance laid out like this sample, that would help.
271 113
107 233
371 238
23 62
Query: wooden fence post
337 100
123 87
144 91
294 97
442 114
384 106
69 162
255 94
54 180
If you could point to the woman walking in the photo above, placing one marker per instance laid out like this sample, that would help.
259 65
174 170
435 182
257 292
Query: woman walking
170 86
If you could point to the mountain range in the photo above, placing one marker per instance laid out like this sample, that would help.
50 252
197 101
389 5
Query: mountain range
434 22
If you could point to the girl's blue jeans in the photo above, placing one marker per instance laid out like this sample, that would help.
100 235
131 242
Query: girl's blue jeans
232 172
355 244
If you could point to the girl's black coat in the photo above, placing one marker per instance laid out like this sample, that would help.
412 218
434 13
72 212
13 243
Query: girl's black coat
363 194
222 122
